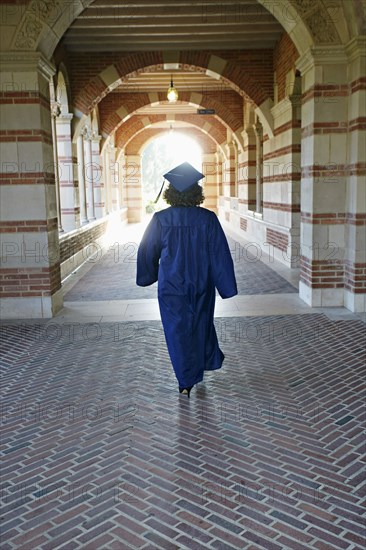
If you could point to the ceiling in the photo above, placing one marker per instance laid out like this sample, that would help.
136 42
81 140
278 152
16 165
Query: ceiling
110 25
159 81
168 109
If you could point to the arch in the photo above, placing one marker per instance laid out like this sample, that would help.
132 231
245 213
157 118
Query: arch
80 124
62 90
95 121
124 116
113 75
135 145
310 23
43 24
118 119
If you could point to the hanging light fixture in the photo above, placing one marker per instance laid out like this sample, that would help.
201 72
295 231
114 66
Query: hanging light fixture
172 94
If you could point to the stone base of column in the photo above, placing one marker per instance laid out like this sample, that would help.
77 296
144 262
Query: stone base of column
355 302
99 212
321 297
69 218
134 215
34 307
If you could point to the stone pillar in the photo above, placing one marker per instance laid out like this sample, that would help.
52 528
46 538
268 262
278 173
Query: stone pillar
258 131
30 264
113 178
81 178
246 172
229 169
281 181
355 237
132 179
55 109
88 175
210 182
324 177
70 210
220 180
121 173
106 180
116 183
98 181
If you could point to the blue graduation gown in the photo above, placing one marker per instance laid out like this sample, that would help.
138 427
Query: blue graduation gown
186 251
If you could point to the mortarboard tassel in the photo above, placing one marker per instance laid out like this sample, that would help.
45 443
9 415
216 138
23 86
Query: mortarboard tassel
160 192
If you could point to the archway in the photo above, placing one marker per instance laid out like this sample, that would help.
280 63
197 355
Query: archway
310 24
160 155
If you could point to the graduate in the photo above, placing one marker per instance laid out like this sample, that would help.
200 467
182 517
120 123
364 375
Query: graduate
185 249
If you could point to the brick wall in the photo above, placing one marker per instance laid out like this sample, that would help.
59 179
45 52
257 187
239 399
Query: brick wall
277 239
26 282
243 224
79 245
355 277
322 273
74 242
284 57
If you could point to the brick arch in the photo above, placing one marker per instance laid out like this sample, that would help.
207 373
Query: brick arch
115 74
143 137
137 124
118 118
240 80
42 26
134 125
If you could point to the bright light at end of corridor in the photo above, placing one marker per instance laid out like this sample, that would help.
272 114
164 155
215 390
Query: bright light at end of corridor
162 155
183 149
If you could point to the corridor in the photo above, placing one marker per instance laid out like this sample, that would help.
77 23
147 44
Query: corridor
99 101
101 452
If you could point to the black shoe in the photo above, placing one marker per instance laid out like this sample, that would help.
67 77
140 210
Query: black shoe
185 391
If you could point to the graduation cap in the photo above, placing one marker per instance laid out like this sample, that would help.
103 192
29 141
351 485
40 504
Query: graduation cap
182 177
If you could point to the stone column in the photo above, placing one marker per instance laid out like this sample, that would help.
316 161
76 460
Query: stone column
81 171
88 175
98 181
258 132
229 169
30 263
132 179
210 182
121 163
355 236
281 181
116 183
324 176
113 178
220 180
70 210
55 110
106 182
246 172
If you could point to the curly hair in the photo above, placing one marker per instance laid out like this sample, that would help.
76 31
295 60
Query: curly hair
192 197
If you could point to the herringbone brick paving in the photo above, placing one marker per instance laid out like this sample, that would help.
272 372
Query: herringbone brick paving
101 452
114 275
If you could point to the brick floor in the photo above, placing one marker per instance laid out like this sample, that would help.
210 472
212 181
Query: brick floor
101 452
117 272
